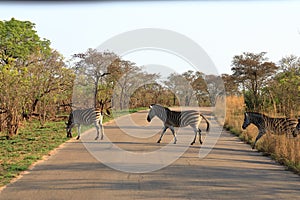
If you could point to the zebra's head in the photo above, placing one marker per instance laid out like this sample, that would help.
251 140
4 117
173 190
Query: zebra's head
104 108
157 110
151 113
297 129
246 121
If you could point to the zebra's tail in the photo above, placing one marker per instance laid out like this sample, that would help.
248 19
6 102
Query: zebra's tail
207 122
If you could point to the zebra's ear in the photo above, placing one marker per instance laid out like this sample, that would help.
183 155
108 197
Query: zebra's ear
150 106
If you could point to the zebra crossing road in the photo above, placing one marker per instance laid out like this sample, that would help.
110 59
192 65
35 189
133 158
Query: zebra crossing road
232 170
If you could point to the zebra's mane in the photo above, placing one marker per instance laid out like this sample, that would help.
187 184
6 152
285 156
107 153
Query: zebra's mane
163 107
160 106
266 116
257 114
167 109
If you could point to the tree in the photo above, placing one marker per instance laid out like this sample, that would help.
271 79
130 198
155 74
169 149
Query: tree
11 91
189 88
215 87
33 78
149 94
252 71
50 81
130 78
231 87
90 70
19 41
284 89
179 87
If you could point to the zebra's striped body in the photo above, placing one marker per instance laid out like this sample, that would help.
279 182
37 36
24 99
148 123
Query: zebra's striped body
85 117
278 126
173 119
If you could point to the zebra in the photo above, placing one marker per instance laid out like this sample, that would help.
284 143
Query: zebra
264 123
173 119
297 129
85 117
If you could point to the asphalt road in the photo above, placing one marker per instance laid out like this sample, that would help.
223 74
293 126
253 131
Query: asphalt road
128 164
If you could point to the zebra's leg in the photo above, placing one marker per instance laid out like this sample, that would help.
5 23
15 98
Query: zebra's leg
174 134
162 133
69 130
101 128
102 131
200 136
97 129
195 131
78 131
69 134
260 134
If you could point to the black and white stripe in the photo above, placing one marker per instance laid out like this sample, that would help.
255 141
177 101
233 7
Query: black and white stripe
85 117
173 119
278 126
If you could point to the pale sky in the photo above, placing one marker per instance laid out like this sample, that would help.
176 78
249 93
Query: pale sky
222 28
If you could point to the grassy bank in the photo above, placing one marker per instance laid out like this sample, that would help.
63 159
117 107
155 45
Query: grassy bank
30 145
285 150
34 142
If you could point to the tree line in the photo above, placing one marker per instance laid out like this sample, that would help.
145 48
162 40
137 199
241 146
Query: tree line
37 82
33 77
266 86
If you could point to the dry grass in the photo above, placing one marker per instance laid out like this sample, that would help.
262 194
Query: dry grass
285 150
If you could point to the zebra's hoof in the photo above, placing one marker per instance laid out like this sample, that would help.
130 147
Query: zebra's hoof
158 141
192 143
77 137
96 138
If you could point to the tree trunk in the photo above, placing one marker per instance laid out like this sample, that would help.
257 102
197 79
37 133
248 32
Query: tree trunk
174 99
96 92
273 102
12 124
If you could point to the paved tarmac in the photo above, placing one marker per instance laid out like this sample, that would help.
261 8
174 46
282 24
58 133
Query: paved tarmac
232 170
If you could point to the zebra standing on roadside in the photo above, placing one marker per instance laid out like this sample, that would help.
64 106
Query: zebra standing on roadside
85 117
264 123
173 119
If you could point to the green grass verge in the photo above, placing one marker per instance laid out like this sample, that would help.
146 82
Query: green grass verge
30 145
34 142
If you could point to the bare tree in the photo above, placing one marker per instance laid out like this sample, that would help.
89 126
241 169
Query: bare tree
90 70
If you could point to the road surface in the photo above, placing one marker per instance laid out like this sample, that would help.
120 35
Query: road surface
232 170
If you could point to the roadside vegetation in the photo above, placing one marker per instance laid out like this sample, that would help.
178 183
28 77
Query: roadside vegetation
257 84
30 145
285 150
